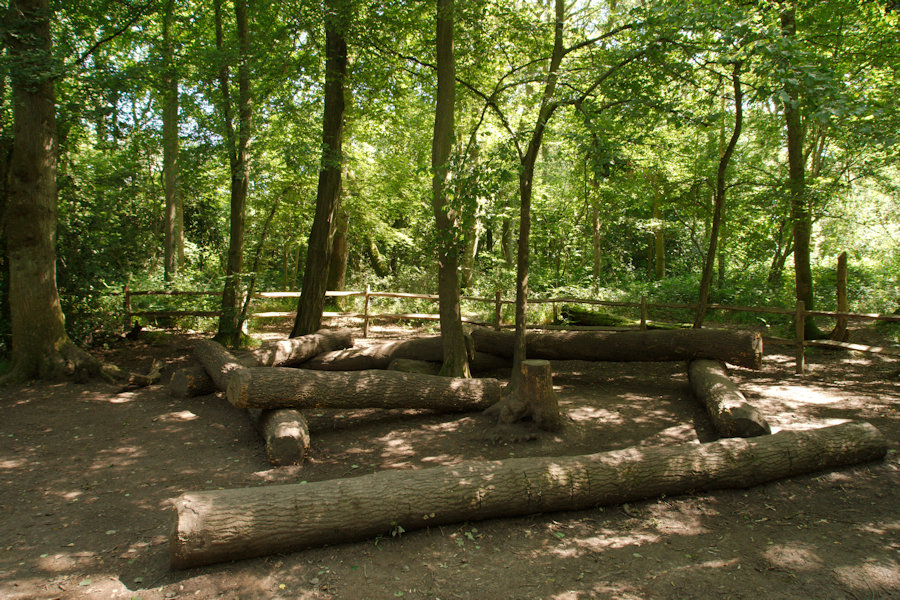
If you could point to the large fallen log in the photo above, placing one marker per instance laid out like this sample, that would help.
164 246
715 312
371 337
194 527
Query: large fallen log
742 348
728 408
284 431
219 525
194 381
380 356
277 387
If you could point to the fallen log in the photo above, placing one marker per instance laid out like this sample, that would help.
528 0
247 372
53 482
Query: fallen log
380 356
410 365
278 387
194 381
220 525
295 351
742 348
728 408
285 431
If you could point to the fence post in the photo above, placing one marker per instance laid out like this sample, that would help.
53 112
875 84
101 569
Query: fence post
643 312
126 306
498 310
366 314
799 326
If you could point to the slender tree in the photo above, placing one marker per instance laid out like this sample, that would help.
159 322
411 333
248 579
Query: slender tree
174 232
456 363
719 201
318 256
238 148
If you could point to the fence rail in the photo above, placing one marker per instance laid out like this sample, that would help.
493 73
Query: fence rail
799 313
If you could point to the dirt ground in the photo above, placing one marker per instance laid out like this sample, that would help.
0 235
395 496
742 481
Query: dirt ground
87 474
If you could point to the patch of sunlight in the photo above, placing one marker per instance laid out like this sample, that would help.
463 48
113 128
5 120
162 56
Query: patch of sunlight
679 524
181 415
591 413
14 463
123 398
73 495
447 426
800 394
792 556
677 434
66 561
870 576
812 424
442 459
608 540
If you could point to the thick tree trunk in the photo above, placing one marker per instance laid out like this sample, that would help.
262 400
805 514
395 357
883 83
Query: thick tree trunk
318 256
40 346
220 525
728 409
337 268
380 356
285 431
278 387
455 357
534 399
195 381
741 348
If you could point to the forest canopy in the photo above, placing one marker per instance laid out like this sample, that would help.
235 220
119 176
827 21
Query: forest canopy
173 118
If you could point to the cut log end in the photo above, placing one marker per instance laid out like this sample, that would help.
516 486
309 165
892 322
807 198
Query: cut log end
238 387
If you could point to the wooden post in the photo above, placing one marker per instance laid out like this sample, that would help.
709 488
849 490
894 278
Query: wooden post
366 313
840 329
799 315
498 310
643 312
126 306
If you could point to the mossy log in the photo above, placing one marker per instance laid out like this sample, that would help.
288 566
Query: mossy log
728 408
297 388
742 348
219 525
380 356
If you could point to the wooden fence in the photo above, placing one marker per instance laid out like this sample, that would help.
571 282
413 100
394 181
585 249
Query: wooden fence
798 314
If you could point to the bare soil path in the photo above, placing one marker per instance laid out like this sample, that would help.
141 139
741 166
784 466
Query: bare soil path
86 475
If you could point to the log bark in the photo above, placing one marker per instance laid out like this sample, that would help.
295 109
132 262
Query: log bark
285 431
220 525
728 409
295 351
428 348
297 388
195 381
409 365
533 399
741 348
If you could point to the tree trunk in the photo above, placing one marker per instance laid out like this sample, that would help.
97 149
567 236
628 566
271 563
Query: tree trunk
239 155
534 399
318 256
222 525
429 348
169 90
801 213
337 268
840 333
40 346
455 357
276 387
659 237
526 179
719 203
741 348
728 409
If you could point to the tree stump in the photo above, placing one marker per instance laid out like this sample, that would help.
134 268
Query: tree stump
534 398
219 525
